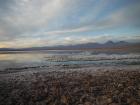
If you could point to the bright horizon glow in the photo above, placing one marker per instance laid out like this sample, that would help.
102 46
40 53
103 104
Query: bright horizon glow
36 23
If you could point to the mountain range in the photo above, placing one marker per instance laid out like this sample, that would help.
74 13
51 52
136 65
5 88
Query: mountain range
107 45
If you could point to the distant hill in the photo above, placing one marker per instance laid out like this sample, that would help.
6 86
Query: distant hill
107 45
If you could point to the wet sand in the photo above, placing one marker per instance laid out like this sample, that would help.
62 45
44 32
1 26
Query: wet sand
63 85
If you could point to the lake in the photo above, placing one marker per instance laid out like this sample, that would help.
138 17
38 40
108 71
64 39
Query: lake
43 59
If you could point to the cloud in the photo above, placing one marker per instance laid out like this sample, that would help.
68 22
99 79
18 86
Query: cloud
29 15
124 17
66 40
27 23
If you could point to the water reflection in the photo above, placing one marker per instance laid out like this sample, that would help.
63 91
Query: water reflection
22 57
47 58
17 60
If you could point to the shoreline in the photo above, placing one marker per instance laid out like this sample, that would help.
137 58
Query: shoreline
79 86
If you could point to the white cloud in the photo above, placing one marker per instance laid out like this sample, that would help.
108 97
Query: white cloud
30 15
38 22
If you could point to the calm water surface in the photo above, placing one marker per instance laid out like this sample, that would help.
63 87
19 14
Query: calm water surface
47 58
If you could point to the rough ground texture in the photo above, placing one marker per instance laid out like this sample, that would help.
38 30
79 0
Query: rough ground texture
107 87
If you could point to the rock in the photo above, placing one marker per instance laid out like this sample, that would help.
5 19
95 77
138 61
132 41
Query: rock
139 93
76 90
64 99
41 103
135 103
82 98
115 99
88 103
114 104
70 90
109 100
117 92
120 87
102 100
129 100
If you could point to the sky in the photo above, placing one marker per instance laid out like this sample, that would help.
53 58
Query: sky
35 23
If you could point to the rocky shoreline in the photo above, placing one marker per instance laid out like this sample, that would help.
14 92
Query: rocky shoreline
84 86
